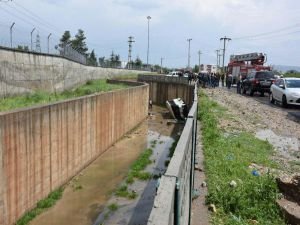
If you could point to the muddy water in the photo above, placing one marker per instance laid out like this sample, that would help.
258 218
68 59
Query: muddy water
87 194
82 205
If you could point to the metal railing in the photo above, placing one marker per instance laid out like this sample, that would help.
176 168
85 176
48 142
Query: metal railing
172 204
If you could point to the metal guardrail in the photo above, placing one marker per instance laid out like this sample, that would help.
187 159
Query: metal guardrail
163 78
172 204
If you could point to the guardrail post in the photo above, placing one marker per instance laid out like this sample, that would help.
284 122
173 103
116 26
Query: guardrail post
177 203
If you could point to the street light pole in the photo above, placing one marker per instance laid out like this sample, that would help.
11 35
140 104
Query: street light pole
148 17
161 61
48 41
189 55
11 27
217 51
31 37
224 39
199 53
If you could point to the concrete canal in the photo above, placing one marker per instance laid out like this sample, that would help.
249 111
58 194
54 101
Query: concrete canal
86 196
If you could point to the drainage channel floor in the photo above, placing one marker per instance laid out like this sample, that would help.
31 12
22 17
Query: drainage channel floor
86 196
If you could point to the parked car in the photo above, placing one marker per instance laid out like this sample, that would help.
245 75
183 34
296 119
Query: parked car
174 74
286 91
258 81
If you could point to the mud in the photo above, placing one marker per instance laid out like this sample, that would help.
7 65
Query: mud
86 196
137 211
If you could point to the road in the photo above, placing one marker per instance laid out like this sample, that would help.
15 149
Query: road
292 110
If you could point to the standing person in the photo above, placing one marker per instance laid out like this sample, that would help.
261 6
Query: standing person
229 80
150 104
238 84
222 79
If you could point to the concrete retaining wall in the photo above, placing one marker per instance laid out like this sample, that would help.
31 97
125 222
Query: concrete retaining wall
23 72
172 204
164 88
41 148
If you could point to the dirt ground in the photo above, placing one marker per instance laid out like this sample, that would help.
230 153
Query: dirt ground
265 122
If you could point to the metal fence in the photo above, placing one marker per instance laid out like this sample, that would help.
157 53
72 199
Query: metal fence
172 204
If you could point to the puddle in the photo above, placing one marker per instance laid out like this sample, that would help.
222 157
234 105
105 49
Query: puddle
285 146
86 196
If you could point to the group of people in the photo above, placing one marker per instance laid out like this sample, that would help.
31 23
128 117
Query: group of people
209 79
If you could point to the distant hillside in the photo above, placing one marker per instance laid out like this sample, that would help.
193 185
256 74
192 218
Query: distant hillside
284 68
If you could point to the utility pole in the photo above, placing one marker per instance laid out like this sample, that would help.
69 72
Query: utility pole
199 53
48 41
11 27
224 39
189 55
148 18
130 41
31 37
217 51
161 61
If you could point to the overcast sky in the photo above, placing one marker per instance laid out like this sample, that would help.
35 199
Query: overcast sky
268 26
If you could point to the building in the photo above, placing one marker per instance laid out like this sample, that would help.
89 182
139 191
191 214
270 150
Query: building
208 68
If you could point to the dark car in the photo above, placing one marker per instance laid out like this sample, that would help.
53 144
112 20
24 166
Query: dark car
258 81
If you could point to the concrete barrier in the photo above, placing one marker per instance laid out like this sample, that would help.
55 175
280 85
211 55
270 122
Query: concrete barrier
172 204
41 148
24 72
163 88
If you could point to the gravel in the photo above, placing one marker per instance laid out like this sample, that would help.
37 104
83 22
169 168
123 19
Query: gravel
265 122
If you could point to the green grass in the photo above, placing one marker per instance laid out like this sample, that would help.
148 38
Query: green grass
136 169
123 192
228 158
113 207
41 206
40 97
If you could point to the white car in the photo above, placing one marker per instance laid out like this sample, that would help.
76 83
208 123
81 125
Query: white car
173 74
286 91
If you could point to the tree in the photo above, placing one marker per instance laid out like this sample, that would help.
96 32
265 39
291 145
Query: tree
196 69
65 39
138 62
92 59
78 42
23 48
101 61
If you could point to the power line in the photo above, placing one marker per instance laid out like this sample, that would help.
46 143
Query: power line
268 33
39 19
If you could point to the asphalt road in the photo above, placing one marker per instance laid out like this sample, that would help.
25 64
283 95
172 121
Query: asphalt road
292 110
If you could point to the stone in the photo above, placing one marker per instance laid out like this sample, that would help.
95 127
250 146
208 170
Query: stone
291 211
212 208
232 184
290 186
204 184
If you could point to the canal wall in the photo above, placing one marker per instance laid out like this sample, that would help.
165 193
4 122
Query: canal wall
162 88
172 204
42 148
24 72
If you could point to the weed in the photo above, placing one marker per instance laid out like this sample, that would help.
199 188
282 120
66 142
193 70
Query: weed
122 191
41 206
113 207
254 197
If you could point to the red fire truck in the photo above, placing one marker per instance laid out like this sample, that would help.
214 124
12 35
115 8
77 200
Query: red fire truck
245 63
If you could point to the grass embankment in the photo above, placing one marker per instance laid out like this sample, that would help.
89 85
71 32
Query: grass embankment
41 206
40 97
227 158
